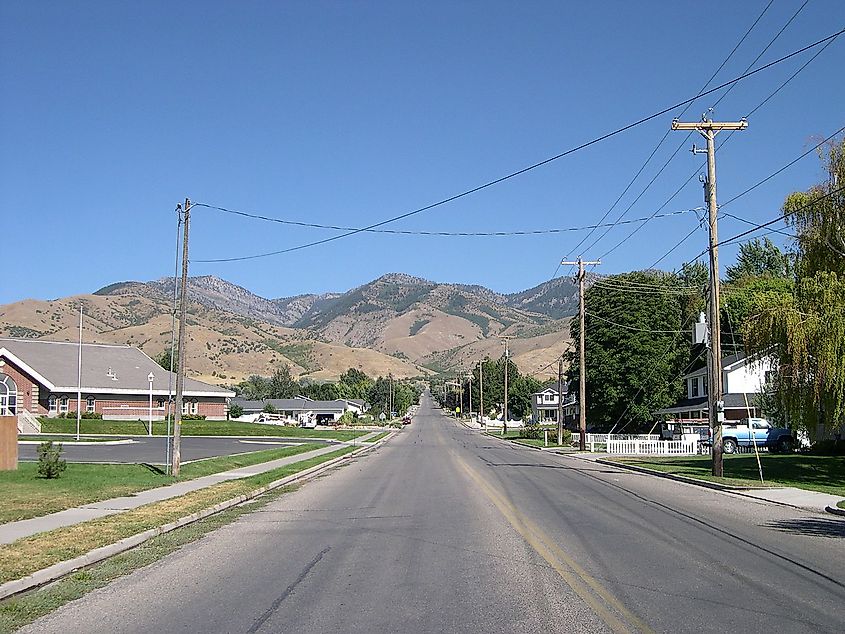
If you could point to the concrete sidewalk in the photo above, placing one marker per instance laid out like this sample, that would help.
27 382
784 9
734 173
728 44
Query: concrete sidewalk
787 496
13 531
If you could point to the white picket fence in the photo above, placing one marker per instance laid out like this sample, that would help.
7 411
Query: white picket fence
653 447
599 442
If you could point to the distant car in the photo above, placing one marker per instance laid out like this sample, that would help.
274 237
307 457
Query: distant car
406 420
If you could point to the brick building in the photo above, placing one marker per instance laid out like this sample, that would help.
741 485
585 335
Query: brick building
41 377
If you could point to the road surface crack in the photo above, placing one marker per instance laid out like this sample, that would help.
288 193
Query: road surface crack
264 617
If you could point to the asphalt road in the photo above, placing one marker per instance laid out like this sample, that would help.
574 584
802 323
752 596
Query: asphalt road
445 530
153 450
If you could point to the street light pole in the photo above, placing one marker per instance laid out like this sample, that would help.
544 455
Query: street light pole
151 377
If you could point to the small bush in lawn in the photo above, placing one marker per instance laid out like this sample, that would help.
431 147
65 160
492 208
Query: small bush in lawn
531 431
50 463
235 411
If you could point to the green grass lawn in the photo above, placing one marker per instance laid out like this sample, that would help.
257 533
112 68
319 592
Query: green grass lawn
27 555
191 428
26 495
533 442
816 473
378 437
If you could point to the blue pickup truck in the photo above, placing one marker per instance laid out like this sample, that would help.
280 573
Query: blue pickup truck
750 431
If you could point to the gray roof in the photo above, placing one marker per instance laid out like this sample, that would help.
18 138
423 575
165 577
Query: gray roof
55 364
733 400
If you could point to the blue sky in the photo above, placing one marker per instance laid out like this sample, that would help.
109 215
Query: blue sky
349 113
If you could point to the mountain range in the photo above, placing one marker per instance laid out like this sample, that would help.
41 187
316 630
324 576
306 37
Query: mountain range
398 324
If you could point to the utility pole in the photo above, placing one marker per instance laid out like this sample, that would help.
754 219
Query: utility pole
469 394
183 323
715 410
460 382
582 373
560 401
481 392
507 363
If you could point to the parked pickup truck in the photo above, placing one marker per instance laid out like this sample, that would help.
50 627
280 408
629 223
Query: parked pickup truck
751 431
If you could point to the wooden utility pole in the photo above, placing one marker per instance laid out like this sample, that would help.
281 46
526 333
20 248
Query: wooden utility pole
180 371
390 398
481 392
507 363
560 401
716 405
582 373
469 395
460 380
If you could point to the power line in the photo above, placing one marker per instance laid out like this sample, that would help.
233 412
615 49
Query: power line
654 332
410 232
665 136
730 134
768 46
778 219
785 167
534 166
740 195
754 224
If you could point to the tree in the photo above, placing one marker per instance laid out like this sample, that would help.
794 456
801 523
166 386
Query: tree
255 388
354 384
805 331
739 303
759 259
282 384
164 359
235 411
520 392
636 349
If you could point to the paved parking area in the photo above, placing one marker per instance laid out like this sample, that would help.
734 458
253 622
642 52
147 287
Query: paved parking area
152 450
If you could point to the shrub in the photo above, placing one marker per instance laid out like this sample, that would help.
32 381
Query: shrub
346 419
193 416
828 448
531 431
235 411
50 463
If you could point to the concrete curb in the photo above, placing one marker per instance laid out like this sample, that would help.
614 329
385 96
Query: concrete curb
671 476
835 511
63 568
736 490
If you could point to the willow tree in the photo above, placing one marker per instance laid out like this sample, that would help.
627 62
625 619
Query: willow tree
806 330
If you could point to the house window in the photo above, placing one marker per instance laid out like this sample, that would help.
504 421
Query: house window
63 405
89 404
189 407
550 398
161 403
53 404
694 384
8 395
